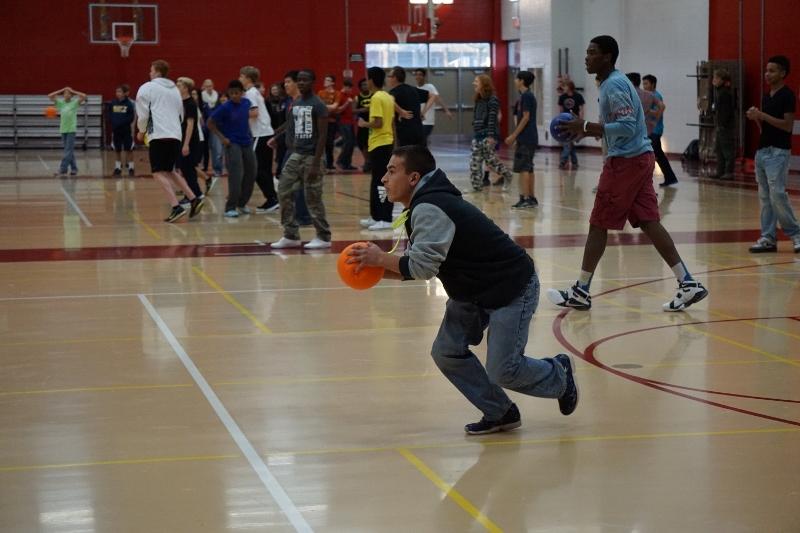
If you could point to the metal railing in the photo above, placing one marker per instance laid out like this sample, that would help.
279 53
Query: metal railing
23 123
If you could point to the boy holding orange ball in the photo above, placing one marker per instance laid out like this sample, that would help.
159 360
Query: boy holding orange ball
68 108
491 283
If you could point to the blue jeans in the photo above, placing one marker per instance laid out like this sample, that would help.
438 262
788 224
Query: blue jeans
568 152
216 153
506 364
68 161
772 168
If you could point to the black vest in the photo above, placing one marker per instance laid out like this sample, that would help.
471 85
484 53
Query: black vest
483 266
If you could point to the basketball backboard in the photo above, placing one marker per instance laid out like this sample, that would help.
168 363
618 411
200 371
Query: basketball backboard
109 22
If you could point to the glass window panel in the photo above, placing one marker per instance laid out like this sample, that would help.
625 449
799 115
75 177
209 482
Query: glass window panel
460 55
409 55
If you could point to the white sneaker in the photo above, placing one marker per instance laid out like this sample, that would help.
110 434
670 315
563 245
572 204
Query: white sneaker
231 213
245 210
380 226
317 244
367 222
689 292
286 243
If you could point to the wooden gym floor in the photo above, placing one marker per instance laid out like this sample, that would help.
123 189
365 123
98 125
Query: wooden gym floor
184 378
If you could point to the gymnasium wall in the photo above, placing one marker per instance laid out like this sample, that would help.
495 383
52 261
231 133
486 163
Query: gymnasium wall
46 47
779 26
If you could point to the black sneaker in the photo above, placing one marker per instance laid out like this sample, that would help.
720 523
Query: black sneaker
177 212
196 206
130 172
118 172
569 400
511 420
532 202
268 207
523 202
185 202
668 183
574 297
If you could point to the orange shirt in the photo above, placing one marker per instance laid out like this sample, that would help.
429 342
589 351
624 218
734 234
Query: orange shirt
331 98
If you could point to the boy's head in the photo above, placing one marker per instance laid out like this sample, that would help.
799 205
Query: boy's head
405 168
419 76
330 81
290 83
185 85
122 91
376 76
649 83
721 77
777 69
524 79
305 81
208 85
601 54
636 78
363 86
235 91
159 69
397 76
67 95
249 76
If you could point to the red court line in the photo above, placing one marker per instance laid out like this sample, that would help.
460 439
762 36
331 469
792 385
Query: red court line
202 250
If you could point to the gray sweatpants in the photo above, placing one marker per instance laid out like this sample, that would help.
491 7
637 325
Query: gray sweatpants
241 163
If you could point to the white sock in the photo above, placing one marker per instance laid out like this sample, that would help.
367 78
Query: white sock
117 165
130 164
681 274
585 279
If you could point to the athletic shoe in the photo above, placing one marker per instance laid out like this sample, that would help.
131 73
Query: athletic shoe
73 173
796 243
349 168
523 202
131 172
177 212
185 201
506 185
245 210
668 183
197 205
381 225
286 243
367 222
317 244
689 292
60 175
562 165
211 182
532 201
510 420
574 297
117 172
231 213
569 400
764 245
267 207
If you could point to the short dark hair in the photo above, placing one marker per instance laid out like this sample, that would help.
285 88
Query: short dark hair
399 74
235 84
422 71
652 79
292 74
526 77
125 88
377 75
723 74
416 158
347 82
309 72
781 61
331 76
635 77
161 66
608 45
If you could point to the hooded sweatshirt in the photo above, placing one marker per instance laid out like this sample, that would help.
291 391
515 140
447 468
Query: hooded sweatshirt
453 240
159 109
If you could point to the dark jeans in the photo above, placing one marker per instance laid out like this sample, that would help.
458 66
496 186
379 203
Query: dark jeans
188 167
205 148
348 143
428 129
378 159
333 127
363 140
661 159
724 147
264 169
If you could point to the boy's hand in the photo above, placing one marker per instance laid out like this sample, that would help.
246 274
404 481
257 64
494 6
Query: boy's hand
369 255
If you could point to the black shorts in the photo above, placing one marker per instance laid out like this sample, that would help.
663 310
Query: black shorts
523 157
122 139
163 154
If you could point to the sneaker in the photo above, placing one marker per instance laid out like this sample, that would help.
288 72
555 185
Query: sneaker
668 183
177 212
231 213
574 297
764 245
574 165
60 175
73 173
267 207
381 225
317 244
506 185
367 222
185 201
569 400
130 172
689 292
210 183
196 206
286 243
117 172
245 210
532 202
562 165
796 243
523 202
510 420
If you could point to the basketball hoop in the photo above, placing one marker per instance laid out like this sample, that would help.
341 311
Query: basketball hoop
401 31
125 42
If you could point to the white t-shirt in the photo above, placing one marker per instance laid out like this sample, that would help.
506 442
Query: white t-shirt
430 116
260 126
210 99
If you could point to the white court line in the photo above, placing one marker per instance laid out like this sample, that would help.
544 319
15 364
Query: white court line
43 163
264 474
405 285
74 205
557 206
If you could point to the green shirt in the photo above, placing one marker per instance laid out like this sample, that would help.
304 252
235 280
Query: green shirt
69 114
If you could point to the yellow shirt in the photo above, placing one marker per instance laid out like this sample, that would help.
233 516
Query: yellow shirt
381 105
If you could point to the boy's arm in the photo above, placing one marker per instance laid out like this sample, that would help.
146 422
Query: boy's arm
52 95
81 96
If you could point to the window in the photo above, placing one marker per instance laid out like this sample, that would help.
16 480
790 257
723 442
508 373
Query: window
415 55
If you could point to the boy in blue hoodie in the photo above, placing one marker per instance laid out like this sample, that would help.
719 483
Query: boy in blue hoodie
123 115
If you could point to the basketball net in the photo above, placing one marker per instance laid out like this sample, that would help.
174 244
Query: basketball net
125 44
401 31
